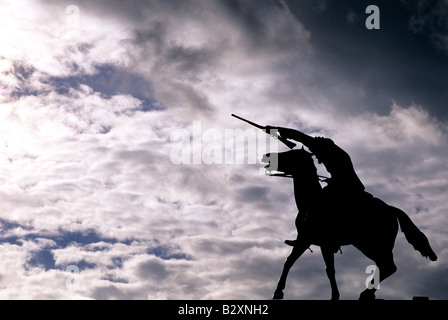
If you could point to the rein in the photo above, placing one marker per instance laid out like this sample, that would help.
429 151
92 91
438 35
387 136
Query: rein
284 175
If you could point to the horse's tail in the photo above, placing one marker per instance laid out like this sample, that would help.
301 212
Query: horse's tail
413 235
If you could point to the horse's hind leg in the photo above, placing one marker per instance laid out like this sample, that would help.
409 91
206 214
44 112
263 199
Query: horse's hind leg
296 252
328 256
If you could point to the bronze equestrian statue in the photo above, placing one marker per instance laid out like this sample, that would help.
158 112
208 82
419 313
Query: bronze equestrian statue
341 213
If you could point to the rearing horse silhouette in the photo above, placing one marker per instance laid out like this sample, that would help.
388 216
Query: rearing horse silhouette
367 223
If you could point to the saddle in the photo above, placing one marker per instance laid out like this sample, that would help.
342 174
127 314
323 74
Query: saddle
336 208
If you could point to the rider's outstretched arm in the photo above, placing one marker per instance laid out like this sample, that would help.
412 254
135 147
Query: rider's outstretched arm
296 135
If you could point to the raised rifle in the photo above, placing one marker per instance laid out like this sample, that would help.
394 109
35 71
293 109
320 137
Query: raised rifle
273 134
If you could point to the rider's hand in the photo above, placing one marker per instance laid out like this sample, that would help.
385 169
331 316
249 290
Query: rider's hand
269 129
283 132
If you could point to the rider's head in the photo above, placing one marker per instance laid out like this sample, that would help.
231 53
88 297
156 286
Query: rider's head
322 149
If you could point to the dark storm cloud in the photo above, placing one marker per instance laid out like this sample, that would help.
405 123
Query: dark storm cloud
181 55
153 42
253 18
430 17
393 63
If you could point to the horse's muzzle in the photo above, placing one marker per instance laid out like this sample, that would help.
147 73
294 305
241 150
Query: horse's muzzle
266 159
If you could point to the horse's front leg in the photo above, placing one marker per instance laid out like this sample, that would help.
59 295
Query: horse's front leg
328 256
296 252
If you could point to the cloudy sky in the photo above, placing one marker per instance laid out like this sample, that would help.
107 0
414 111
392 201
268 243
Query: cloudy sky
98 97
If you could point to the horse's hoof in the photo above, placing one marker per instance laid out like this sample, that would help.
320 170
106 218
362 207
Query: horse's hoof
278 295
367 295
335 298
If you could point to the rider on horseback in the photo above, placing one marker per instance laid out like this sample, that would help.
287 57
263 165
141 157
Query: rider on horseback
345 190
344 181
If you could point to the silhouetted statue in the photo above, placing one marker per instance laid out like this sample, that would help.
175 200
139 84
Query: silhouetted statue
340 214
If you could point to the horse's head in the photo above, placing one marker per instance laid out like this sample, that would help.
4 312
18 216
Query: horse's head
290 162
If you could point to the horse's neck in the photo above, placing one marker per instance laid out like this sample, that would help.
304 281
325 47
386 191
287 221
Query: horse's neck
306 190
